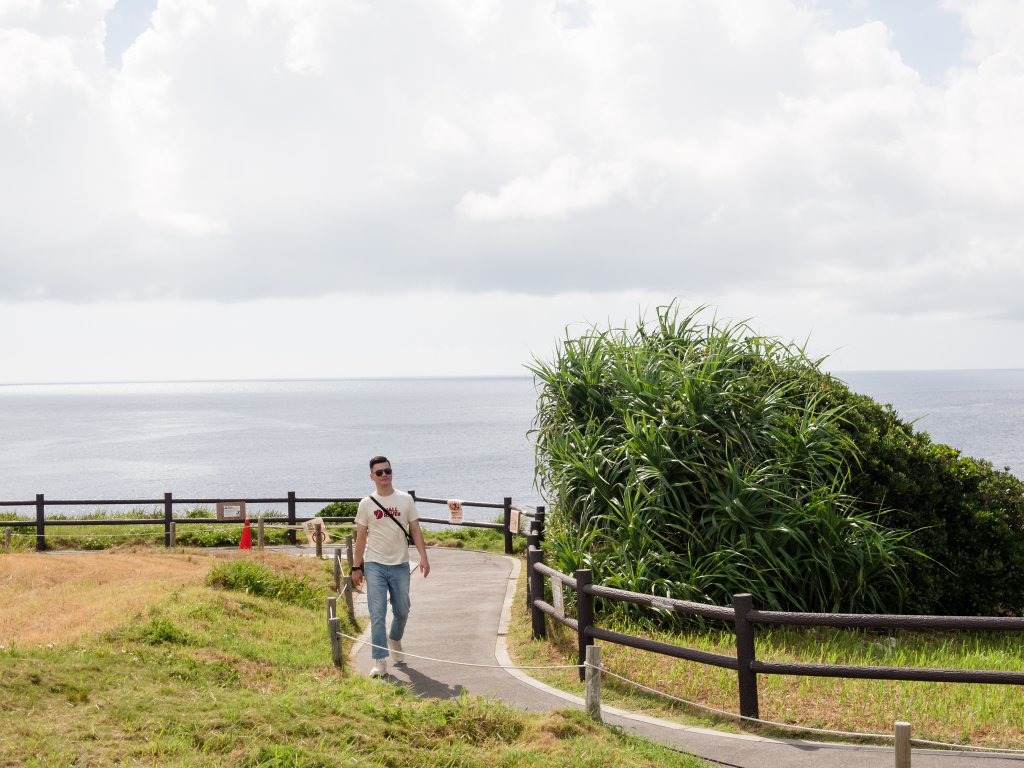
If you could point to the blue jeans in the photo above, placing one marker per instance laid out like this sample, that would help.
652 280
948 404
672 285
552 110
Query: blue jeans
382 580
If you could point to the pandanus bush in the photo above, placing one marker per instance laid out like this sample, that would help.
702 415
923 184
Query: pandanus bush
698 460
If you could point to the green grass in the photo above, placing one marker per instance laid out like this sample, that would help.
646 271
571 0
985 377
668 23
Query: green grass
223 677
480 539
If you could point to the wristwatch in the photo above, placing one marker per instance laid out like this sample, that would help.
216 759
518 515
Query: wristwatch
357 567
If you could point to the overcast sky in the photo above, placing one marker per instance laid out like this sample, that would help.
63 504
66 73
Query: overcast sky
208 189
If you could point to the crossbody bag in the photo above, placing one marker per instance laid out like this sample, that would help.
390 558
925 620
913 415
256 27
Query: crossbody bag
387 514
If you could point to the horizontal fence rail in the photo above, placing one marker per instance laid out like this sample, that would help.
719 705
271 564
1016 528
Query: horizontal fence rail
744 618
508 524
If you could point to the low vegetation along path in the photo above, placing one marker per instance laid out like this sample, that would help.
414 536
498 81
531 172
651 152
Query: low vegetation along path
460 614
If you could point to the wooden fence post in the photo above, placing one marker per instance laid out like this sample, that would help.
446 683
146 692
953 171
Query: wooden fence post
531 543
318 538
508 525
8 537
536 580
337 570
168 519
40 523
349 599
348 550
742 605
584 615
174 534
593 689
334 626
902 744
260 533
291 518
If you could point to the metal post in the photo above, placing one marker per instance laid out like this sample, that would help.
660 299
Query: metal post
508 525
584 615
168 519
743 604
593 688
174 534
260 533
536 579
318 538
291 518
902 744
40 523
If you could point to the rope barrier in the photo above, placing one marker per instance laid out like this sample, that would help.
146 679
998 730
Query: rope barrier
806 728
455 663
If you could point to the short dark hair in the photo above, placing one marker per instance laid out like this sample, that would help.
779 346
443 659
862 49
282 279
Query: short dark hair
379 460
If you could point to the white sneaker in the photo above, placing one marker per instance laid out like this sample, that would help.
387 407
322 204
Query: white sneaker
395 646
380 668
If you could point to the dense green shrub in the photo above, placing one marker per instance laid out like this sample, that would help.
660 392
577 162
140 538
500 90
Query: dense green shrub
340 509
965 514
701 460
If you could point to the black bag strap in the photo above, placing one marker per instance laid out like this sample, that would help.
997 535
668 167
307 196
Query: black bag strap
387 514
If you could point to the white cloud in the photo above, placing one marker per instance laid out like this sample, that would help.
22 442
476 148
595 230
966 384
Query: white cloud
566 185
271 150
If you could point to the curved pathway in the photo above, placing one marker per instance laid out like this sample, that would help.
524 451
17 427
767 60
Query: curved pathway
461 613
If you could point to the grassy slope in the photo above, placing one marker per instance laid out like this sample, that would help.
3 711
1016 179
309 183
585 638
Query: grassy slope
207 677
983 715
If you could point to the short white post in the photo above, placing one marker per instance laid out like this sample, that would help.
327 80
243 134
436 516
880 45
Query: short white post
259 533
174 533
593 682
902 744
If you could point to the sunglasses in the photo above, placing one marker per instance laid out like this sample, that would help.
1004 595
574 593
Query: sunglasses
381 472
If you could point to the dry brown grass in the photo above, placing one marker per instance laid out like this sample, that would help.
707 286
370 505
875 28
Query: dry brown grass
56 598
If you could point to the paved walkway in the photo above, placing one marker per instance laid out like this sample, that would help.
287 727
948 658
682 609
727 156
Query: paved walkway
461 613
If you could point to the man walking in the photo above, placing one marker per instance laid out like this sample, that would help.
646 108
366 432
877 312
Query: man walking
386 523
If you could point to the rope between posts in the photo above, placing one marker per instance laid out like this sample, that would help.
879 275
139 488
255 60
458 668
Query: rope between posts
455 663
806 728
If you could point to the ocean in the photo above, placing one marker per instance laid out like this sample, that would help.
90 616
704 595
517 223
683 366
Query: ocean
465 438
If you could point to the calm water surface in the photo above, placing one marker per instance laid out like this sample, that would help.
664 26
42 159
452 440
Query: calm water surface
448 438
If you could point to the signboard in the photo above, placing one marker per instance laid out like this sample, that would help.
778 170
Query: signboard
454 512
231 510
515 521
310 528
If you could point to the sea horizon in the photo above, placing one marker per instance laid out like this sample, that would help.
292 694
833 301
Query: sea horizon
426 377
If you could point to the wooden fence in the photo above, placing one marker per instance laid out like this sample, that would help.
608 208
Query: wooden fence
744 617
508 524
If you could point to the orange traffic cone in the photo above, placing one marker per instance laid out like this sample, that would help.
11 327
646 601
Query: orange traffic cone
246 542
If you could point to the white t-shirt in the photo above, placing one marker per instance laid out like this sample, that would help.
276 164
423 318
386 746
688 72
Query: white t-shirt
385 542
